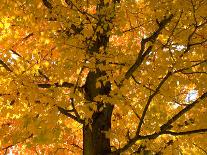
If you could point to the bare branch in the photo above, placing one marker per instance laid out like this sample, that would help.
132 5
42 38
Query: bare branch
77 146
47 4
165 126
155 135
149 101
185 132
43 75
28 36
4 94
182 112
200 148
66 113
173 31
14 52
194 72
137 115
143 53
198 43
64 84
182 133
189 44
194 65
9 146
141 83
75 87
74 109
131 29
194 11
5 65
137 136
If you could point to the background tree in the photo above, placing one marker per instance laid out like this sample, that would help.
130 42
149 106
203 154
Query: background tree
103 76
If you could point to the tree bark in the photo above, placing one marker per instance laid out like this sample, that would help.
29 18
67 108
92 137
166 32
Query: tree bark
95 141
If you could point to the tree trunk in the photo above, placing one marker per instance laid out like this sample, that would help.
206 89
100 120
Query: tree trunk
95 141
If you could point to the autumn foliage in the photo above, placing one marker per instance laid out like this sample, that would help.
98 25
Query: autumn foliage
103 77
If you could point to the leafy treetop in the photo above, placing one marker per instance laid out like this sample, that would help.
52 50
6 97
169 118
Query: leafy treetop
152 54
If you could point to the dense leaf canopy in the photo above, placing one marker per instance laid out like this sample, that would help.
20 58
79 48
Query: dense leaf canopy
63 61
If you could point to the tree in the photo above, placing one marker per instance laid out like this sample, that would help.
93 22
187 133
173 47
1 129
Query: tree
103 76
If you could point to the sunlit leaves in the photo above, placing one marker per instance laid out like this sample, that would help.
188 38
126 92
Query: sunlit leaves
58 46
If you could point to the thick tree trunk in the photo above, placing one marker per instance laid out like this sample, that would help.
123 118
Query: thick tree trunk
95 141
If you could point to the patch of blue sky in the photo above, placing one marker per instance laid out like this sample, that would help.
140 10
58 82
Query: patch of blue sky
191 96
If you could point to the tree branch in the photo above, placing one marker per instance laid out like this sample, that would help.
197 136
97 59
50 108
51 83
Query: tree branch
14 52
3 94
5 65
200 148
155 135
184 132
137 136
150 99
194 65
7 147
47 4
167 125
143 53
66 113
75 87
194 72
189 44
43 75
64 84
141 83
